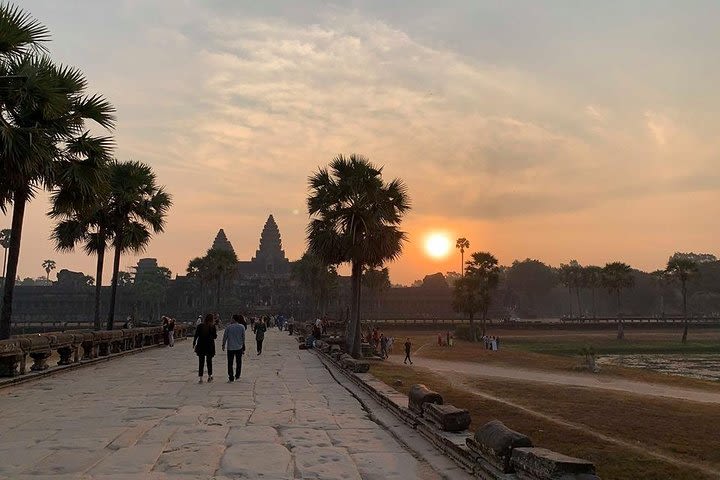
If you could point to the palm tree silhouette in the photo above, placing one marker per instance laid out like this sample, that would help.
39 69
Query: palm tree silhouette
462 243
48 266
355 218
136 209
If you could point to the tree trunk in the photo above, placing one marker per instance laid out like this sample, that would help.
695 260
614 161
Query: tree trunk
98 280
571 310
577 294
114 282
594 306
19 202
354 340
621 327
5 262
484 317
685 328
473 334
462 263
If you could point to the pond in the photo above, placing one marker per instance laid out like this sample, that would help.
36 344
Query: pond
704 367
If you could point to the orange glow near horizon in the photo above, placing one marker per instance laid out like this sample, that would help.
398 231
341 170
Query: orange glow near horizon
438 245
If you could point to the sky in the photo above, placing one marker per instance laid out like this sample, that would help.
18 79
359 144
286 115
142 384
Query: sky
553 130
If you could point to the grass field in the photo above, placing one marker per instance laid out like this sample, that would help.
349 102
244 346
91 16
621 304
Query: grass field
560 350
573 421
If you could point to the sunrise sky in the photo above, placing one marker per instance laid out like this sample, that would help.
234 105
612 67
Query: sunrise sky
552 130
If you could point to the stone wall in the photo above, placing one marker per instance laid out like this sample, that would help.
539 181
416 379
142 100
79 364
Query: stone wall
74 348
492 452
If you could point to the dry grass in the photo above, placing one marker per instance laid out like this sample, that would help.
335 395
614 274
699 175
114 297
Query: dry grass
559 351
683 429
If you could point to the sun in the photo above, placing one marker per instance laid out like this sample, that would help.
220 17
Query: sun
438 245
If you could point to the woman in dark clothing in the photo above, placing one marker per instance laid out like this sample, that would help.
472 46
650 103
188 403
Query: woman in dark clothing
204 345
260 330
166 330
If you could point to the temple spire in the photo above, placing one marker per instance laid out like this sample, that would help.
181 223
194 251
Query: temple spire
221 242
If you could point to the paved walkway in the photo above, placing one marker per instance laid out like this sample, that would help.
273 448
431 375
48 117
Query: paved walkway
145 417
565 378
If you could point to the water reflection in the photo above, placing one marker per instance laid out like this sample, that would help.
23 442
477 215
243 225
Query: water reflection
705 367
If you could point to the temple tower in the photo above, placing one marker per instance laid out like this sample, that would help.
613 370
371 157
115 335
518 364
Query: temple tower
270 257
221 242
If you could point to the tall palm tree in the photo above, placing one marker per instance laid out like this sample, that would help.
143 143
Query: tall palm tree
462 243
136 209
376 280
48 266
220 264
5 244
682 269
316 282
484 271
87 226
616 277
592 276
44 109
355 218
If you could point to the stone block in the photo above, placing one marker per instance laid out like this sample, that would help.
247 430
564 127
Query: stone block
495 443
542 464
419 394
447 417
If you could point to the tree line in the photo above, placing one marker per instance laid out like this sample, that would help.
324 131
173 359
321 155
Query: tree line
46 143
530 288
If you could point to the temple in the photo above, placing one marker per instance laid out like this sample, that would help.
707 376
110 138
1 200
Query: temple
269 258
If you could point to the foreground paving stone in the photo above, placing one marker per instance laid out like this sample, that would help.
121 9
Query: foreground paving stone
134 418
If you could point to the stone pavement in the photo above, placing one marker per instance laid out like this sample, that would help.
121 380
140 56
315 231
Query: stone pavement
144 416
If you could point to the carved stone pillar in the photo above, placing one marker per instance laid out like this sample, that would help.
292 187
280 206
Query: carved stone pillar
40 360
65 355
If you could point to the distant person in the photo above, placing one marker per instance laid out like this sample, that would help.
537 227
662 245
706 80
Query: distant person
199 321
204 345
234 340
384 346
165 330
447 338
129 322
408 346
440 342
171 331
260 330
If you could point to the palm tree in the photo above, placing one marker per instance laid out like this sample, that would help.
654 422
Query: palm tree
219 264
136 209
5 244
571 277
48 266
316 281
592 277
89 227
462 243
44 109
484 273
616 277
682 269
377 281
355 218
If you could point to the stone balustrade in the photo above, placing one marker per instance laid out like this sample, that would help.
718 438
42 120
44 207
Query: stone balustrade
74 347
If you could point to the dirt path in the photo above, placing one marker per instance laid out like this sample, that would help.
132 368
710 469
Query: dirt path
565 378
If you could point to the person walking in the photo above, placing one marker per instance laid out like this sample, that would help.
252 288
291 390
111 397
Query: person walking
204 345
408 346
260 329
234 340
166 331
171 331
